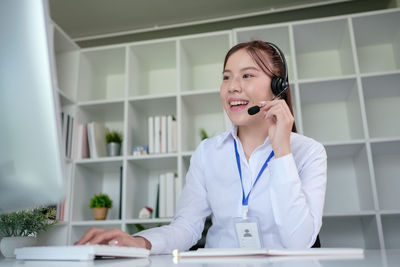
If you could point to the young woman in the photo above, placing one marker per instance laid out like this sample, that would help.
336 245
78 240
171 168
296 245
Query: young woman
263 184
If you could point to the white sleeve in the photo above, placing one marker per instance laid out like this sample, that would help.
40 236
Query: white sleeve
193 208
298 197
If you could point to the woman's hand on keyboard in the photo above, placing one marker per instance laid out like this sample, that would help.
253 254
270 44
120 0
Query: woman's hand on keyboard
114 237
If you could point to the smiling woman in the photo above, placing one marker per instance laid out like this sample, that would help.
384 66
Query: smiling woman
271 179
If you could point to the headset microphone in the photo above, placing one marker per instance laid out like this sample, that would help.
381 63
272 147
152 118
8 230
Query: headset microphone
253 110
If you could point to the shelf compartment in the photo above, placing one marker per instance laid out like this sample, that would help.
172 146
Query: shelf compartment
391 233
201 61
277 35
202 111
77 232
152 68
330 54
102 74
386 158
350 231
138 113
111 115
331 110
93 178
142 183
377 40
66 60
382 105
348 165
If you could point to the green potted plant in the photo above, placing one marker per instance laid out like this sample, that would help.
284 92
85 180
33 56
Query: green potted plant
100 204
114 141
20 229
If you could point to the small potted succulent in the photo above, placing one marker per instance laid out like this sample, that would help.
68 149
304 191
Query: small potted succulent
100 204
114 141
20 229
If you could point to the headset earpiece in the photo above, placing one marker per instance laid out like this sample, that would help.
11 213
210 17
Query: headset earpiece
279 85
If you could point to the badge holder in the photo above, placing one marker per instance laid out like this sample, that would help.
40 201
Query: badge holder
247 231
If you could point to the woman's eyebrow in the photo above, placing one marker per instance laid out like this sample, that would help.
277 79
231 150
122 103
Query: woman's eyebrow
249 68
241 70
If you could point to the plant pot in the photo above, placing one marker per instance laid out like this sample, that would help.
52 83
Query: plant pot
100 213
9 244
113 149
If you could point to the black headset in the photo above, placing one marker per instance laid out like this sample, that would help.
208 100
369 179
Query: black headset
279 85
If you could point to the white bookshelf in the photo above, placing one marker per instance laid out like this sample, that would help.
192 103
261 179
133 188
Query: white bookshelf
344 73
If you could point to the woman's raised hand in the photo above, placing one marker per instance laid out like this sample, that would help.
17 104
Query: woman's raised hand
114 237
280 120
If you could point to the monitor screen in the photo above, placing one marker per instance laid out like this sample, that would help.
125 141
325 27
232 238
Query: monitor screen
31 161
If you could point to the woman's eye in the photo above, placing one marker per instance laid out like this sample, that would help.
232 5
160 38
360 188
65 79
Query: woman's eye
247 75
225 77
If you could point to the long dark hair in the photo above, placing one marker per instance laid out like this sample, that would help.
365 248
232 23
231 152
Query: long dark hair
263 53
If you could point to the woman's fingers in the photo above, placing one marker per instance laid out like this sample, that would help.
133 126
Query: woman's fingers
89 235
112 237
127 241
277 111
106 236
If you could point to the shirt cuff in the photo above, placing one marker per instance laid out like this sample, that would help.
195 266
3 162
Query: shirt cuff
157 244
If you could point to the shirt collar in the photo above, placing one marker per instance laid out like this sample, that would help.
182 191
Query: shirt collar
232 133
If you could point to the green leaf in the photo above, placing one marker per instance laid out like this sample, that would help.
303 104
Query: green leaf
100 201
27 222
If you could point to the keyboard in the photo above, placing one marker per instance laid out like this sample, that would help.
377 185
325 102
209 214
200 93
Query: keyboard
79 253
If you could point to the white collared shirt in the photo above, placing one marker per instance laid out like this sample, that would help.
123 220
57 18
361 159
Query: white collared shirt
288 198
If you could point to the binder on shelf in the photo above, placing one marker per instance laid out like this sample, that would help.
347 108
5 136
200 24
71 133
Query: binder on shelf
151 134
157 134
163 196
120 192
163 134
70 134
166 201
81 148
170 194
66 134
97 140
172 134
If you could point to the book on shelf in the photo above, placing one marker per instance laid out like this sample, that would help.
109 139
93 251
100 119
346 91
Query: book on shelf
151 134
70 131
162 134
168 193
97 139
170 202
81 145
157 134
67 125
172 134
162 213
120 192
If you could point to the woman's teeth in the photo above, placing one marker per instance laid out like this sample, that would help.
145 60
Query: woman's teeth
238 103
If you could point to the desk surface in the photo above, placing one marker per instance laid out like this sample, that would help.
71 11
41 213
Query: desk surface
385 258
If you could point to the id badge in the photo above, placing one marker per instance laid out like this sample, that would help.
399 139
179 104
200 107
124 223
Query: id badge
248 232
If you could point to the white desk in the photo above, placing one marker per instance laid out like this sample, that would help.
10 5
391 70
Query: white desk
372 258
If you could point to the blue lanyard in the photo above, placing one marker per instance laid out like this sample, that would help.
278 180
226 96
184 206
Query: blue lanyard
245 199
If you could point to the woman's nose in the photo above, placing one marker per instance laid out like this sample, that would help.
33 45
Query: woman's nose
234 86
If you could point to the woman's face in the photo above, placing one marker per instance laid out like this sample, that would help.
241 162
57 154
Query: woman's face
244 85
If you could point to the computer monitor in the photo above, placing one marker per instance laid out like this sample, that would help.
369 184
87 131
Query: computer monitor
31 158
